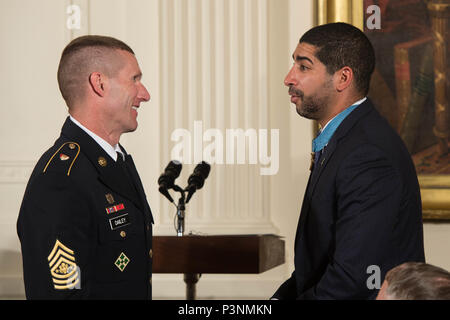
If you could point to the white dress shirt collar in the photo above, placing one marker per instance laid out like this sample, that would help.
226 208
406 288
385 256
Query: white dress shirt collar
109 149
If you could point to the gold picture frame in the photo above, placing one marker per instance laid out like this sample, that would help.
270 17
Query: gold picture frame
434 188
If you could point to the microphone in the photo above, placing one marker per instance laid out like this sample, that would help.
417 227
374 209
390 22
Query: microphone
197 178
167 179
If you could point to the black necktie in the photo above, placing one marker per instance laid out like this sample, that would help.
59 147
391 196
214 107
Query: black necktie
125 167
119 158
121 163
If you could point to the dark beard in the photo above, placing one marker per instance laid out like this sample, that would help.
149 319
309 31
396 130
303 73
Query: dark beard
312 107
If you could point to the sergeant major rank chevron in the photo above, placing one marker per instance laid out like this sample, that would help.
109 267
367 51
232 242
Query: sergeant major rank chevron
63 268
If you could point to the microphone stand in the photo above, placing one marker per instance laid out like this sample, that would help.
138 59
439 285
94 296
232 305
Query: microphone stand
195 181
181 207
190 279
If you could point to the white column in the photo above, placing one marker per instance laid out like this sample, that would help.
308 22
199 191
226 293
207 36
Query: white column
230 37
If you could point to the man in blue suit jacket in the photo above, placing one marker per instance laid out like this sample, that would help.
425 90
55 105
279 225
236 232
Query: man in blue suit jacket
362 209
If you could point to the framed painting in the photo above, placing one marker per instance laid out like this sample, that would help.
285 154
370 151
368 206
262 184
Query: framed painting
410 85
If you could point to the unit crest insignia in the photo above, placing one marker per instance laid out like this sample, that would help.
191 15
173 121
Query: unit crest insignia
109 198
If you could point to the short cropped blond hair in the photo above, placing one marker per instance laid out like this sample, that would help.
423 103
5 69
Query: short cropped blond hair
85 55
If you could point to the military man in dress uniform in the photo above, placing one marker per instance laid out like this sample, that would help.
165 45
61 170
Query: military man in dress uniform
85 225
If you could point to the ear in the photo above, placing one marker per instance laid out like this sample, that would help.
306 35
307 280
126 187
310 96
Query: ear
97 82
343 78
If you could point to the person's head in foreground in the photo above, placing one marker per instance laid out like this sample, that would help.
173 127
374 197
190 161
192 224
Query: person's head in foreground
416 281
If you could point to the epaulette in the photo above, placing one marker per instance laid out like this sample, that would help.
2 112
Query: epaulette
64 157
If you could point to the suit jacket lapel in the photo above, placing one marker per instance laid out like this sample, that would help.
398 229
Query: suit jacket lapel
304 209
116 179
327 154
341 132
129 163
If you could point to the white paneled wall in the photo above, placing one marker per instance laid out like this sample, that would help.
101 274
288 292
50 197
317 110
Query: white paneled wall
214 76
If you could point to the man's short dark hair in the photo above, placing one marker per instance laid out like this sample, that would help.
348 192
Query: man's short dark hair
81 57
418 281
341 44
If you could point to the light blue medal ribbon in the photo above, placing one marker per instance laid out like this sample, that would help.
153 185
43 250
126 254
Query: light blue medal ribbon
324 137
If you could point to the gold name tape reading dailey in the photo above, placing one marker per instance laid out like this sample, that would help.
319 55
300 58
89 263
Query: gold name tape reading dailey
63 267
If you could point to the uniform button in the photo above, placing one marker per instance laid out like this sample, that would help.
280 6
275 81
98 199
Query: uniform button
102 161
148 227
150 253
150 281
123 234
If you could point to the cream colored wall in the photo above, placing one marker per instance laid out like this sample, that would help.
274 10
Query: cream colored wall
437 244
30 115
187 81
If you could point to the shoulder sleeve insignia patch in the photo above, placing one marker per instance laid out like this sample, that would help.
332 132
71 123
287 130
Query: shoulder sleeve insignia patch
122 262
63 268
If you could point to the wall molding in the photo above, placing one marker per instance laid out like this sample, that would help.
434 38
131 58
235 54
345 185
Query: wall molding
15 172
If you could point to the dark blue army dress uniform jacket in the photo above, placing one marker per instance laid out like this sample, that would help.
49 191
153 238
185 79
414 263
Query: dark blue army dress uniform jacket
85 225
361 212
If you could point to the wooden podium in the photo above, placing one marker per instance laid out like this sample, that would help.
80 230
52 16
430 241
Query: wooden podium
194 255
